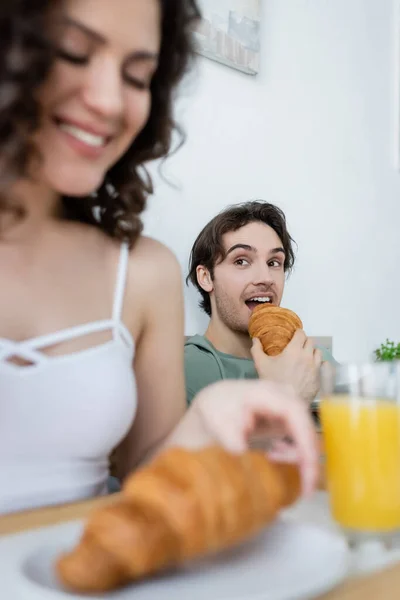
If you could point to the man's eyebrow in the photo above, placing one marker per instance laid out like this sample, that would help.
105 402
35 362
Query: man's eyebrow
140 55
242 247
277 250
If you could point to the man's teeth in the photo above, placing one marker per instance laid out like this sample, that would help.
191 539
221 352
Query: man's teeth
83 136
261 300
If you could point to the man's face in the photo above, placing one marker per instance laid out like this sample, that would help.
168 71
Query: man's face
251 272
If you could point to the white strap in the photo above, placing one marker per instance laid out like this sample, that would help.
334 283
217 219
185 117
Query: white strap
9 349
66 335
31 349
120 283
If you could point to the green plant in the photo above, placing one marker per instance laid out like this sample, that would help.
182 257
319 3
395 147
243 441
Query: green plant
387 351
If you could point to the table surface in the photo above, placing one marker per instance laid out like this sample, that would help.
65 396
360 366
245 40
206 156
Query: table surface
384 583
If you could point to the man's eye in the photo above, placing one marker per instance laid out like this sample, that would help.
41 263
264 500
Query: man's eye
275 263
241 262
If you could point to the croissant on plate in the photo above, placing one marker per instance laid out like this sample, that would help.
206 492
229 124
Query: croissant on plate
185 504
274 326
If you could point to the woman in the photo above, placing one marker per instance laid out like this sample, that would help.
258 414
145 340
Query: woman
91 315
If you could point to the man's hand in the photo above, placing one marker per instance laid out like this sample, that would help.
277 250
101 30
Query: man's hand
298 365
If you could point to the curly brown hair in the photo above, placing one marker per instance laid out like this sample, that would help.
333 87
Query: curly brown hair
26 56
208 248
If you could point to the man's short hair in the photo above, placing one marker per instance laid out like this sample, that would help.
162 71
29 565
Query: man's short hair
208 248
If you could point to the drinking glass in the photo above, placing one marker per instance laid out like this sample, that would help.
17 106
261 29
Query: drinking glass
360 419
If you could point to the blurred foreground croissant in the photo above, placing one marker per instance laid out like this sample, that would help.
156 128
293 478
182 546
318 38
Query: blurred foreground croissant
274 326
185 504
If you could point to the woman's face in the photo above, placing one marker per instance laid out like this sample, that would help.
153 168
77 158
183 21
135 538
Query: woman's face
97 97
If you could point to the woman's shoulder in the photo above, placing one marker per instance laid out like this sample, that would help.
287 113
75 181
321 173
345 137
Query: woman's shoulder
153 276
146 248
148 258
153 262
149 261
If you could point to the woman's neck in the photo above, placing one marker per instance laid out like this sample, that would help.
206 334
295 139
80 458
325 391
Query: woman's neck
28 208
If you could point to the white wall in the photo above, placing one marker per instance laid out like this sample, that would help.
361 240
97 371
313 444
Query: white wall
314 133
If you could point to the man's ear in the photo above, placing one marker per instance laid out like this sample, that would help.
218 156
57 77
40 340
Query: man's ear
204 279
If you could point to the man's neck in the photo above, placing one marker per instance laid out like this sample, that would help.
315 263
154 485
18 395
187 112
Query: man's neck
227 341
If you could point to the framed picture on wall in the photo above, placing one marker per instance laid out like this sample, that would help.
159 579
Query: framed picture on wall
229 33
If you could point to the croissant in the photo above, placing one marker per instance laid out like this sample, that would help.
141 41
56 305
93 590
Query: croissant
274 326
185 504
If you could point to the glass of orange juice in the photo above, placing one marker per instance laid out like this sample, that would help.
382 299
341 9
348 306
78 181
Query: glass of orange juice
360 418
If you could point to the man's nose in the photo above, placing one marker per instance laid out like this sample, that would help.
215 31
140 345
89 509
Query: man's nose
262 275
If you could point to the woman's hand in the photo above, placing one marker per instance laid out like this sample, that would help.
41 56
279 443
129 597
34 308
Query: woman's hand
232 413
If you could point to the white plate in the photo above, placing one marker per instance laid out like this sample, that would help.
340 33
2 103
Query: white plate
290 561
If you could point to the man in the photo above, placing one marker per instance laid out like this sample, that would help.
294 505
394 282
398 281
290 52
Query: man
239 260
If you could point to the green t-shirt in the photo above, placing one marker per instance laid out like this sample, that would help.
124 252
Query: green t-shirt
204 364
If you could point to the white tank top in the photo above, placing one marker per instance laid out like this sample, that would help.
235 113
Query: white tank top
61 416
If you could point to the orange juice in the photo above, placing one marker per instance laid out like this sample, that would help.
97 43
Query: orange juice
362 444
